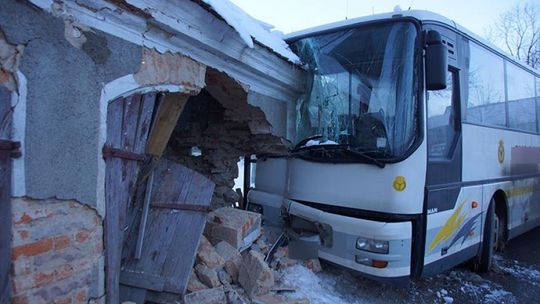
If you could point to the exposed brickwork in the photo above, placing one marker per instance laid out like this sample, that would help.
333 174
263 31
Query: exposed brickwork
56 252
224 134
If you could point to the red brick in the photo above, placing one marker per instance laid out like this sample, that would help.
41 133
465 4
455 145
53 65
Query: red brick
82 236
61 242
32 249
19 300
21 284
23 234
25 219
4 76
81 298
63 301
41 278
63 272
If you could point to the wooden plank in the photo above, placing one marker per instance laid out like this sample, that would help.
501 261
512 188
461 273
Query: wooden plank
129 133
128 122
113 180
144 217
172 236
5 197
141 280
181 258
163 297
145 120
167 114
132 294
146 108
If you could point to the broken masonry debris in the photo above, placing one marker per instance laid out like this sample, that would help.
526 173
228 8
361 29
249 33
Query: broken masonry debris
237 263
207 296
207 255
207 276
239 228
255 275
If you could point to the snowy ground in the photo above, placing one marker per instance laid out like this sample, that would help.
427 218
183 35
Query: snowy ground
515 278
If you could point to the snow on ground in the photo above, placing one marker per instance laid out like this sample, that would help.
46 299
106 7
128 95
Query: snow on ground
319 288
339 286
248 27
515 269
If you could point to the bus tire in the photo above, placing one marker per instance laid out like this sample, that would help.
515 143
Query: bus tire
482 262
500 231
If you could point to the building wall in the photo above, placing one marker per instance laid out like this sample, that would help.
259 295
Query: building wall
57 219
57 233
64 87
57 252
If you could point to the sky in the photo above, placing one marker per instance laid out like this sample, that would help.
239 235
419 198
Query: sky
293 15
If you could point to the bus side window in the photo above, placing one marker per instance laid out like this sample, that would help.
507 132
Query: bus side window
441 120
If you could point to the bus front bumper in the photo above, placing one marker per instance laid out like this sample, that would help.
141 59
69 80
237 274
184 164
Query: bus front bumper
390 263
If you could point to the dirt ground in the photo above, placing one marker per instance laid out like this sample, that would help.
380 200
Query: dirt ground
515 278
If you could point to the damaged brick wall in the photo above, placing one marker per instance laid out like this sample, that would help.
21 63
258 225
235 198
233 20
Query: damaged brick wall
224 130
57 252
9 62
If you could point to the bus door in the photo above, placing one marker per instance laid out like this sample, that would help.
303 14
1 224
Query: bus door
443 179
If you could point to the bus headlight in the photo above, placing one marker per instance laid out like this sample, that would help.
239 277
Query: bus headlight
375 246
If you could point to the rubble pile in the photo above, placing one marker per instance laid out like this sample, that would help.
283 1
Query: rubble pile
231 262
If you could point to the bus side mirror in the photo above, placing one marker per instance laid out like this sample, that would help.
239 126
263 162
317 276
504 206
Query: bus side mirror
436 62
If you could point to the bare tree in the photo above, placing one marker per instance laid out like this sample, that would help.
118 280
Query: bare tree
518 32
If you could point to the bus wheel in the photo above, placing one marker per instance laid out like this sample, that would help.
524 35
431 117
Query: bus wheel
482 262
499 232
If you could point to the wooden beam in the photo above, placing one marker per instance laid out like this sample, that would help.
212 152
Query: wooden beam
168 112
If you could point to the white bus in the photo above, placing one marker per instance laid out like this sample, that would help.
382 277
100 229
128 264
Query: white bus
418 148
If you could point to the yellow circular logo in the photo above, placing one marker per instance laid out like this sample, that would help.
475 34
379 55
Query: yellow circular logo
399 183
501 151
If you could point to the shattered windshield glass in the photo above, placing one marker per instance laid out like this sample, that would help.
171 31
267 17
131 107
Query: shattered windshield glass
360 89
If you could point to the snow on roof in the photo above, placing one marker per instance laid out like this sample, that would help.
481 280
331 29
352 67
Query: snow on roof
249 27
418 14
421 15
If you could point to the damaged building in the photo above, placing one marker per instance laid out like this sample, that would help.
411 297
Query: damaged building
121 126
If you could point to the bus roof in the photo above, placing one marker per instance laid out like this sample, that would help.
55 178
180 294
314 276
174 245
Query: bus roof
422 15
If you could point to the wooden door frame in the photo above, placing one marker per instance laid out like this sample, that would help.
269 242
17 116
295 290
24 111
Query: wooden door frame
6 148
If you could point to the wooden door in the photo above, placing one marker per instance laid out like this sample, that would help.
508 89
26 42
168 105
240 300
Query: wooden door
158 221
6 147
128 125
160 257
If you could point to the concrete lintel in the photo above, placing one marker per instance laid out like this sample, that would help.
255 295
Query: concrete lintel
169 68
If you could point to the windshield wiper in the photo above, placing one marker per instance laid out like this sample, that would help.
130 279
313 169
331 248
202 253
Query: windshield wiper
340 148
363 155
302 144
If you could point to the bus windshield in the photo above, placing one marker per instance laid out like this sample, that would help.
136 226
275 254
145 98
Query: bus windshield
360 89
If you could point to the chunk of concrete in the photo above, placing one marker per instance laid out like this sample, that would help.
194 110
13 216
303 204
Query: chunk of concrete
237 227
226 251
207 255
234 297
207 296
207 276
194 284
232 258
224 277
254 274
